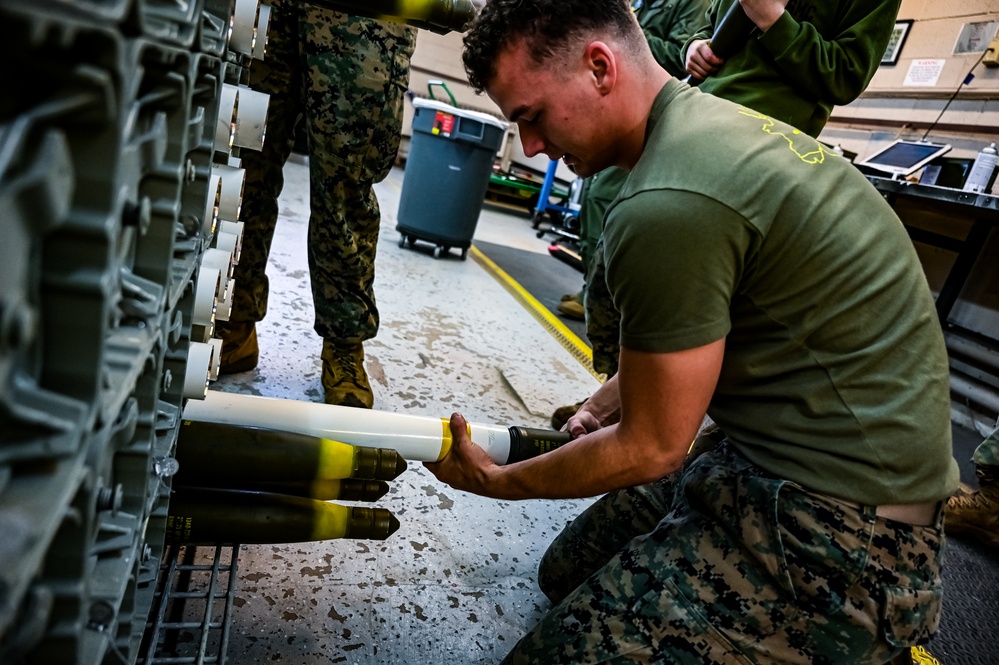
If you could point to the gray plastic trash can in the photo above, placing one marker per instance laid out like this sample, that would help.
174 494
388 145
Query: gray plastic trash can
450 161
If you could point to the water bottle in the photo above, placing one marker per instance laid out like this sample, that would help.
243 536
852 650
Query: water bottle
981 170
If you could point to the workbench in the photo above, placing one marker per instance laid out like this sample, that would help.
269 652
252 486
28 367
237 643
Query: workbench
980 211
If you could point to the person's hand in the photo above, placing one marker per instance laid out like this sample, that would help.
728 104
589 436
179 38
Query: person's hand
764 13
467 466
701 60
582 422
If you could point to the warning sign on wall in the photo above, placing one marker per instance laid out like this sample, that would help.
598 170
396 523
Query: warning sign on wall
924 72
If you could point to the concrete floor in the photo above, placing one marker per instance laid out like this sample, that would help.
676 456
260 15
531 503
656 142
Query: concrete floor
457 583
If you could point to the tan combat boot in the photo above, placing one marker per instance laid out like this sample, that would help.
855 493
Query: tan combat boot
976 512
571 306
239 347
344 378
563 413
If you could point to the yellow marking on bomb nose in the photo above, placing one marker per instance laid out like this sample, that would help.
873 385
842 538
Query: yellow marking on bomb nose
336 460
325 489
418 9
329 520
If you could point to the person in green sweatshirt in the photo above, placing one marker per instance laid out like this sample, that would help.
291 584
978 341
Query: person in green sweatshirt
803 58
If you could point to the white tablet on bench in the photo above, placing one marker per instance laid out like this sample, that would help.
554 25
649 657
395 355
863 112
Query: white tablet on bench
901 158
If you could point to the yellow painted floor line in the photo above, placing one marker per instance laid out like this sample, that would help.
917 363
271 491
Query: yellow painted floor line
579 349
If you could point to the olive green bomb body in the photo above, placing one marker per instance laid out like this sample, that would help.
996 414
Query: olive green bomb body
211 516
217 454
324 489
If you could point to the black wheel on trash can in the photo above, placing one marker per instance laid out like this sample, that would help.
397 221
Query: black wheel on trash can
402 240
464 253
437 251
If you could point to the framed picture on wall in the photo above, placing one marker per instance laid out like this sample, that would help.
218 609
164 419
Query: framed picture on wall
896 41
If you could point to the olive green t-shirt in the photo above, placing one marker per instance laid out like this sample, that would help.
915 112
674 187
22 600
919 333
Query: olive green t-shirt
835 372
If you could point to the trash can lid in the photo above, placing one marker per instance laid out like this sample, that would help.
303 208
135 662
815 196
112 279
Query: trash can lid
419 102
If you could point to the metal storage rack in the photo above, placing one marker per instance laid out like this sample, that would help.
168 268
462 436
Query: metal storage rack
109 142
121 127
191 614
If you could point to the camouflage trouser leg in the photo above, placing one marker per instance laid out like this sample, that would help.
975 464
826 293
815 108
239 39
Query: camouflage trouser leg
602 319
346 76
600 532
746 568
987 452
356 79
279 76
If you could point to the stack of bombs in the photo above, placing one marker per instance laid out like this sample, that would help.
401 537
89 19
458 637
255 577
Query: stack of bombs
259 470
239 484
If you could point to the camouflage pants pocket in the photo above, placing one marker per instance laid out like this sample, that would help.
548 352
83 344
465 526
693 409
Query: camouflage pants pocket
864 588
725 551
825 545
387 133
903 581
910 616
357 74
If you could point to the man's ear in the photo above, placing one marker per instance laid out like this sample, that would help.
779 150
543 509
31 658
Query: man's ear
602 65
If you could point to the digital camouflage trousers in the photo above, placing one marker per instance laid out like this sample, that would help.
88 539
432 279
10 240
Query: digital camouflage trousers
602 319
345 78
722 563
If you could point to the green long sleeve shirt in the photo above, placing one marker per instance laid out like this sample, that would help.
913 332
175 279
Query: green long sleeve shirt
667 24
819 54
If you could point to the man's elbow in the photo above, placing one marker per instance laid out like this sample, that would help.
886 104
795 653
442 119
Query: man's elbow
656 458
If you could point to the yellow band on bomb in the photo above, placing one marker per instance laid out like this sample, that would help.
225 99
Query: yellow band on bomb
336 460
330 521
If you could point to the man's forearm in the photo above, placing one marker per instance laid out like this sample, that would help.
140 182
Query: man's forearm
596 463
605 403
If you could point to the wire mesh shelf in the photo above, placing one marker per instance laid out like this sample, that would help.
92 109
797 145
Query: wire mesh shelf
191 615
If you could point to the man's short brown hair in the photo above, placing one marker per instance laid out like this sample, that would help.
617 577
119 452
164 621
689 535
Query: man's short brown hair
547 26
